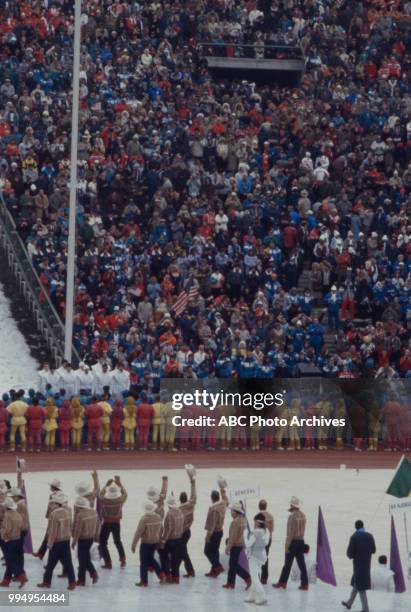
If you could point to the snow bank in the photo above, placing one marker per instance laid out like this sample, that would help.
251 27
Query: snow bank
18 369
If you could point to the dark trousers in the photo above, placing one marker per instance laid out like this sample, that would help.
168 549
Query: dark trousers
264 569
212 549
60 551
172 558
234 568
12 556
22 538
147 560
2 546
84 559
114 530
163 555
185 557
295 551
43 547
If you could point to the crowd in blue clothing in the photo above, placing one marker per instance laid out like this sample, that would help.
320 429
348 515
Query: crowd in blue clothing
276 215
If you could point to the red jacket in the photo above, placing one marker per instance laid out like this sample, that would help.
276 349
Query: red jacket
391 412
405 421
35 416
3 418
290 236
144 414
117 416
187 412
94 412
65 416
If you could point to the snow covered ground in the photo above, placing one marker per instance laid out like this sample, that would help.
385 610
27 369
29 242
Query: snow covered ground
18 369
344 495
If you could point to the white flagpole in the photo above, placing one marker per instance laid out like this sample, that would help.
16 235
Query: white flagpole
71 254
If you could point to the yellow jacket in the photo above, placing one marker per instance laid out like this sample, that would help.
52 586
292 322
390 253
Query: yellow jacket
158 417
129 411
340 411
295 408
50 422
323 409
168 413
17 410
77 422
226 410
107 409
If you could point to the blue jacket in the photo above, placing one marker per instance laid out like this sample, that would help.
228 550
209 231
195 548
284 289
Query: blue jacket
360 550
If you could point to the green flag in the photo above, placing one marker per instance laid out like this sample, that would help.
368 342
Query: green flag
401 483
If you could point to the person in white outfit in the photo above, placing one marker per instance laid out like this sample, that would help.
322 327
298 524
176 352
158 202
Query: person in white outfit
47 376
102 379
382 578
67 379
84 379
120 381
256 542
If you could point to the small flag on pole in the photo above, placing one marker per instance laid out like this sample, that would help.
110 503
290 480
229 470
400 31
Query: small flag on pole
182 300
401 483
395 561
325 568
28 542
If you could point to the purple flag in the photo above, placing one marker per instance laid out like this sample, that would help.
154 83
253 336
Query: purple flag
99 508
325 568
28 543
395 561
243 561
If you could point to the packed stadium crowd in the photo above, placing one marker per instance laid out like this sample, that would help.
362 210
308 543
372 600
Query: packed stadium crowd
202 204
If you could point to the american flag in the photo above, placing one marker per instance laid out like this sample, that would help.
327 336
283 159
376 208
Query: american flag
181 302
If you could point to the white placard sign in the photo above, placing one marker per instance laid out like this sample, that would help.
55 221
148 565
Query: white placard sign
245 492
402 505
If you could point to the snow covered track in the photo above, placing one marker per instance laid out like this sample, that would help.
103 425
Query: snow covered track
116 591
344 495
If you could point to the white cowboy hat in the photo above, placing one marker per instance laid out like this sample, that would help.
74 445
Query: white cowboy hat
171 501
82 488
55 483
59 498
16 492
295 502
112 492
153 494
222 483
190 469
81 502
149 506
10 503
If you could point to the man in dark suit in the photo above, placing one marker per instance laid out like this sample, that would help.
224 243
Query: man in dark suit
360 550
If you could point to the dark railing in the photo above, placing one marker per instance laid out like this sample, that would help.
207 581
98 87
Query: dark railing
47 320
251 51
